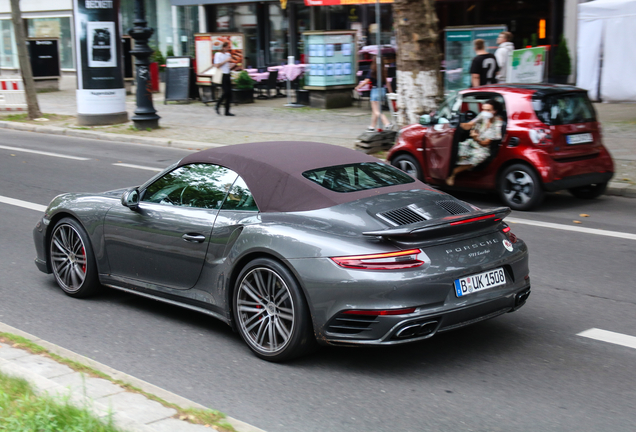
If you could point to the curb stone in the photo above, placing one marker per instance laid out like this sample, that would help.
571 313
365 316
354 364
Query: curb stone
614 188
15 362
621 189
103 136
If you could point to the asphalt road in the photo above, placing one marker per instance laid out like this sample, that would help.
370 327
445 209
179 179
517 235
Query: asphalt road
526 371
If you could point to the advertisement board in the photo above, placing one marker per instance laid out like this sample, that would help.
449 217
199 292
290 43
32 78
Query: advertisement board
208 44
331 57
459 52
526 65
44 57
100 80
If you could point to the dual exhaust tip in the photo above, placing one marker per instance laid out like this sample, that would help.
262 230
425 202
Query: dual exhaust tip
417 330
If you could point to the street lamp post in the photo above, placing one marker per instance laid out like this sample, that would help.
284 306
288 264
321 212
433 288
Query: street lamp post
145 113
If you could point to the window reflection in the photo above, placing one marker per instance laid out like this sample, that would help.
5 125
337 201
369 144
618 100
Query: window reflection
240 198
196 185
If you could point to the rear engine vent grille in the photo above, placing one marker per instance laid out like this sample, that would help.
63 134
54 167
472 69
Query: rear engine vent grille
351 324
402 216
453 207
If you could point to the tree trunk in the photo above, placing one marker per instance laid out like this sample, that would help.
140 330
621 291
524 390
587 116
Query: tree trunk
418 59
25 65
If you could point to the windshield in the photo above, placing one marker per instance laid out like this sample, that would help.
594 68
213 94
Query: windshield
563 109
357 177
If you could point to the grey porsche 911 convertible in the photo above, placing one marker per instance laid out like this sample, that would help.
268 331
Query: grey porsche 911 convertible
292 244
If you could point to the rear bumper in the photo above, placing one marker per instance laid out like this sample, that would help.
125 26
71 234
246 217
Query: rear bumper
419 327
578 180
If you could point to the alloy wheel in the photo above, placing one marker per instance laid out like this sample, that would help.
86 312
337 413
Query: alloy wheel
408 167
265 310
68 257
518 187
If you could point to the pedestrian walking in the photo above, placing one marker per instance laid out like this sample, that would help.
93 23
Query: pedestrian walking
484 67
378 94
222 61
503 52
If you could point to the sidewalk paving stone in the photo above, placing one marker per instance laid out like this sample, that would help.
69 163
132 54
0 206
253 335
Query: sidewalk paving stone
137 407
94 388
43 366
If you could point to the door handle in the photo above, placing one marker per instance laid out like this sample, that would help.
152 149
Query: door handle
193 238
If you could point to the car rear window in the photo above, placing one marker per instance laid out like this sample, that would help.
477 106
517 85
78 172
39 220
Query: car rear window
357 177
565 108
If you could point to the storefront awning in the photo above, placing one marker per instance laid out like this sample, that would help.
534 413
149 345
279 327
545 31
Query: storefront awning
342 2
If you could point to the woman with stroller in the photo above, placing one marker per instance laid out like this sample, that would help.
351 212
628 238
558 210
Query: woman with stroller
484 129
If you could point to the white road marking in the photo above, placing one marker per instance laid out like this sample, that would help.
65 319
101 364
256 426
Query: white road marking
610 337
138 167
18 149
618 234
24 204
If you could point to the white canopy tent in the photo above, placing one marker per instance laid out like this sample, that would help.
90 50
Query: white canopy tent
606 50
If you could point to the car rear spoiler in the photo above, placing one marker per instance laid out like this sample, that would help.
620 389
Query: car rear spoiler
447 225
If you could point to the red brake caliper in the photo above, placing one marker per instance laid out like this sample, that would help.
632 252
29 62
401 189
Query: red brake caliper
84 255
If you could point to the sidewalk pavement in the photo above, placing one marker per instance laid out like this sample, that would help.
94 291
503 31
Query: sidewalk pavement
131 412
197 126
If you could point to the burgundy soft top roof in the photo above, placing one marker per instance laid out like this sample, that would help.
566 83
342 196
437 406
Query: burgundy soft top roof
273 172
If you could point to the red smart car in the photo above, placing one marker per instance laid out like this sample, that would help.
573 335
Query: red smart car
551 141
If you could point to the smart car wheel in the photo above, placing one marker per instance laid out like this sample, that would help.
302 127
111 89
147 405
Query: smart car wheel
72 259
271 312
520 188
589 191
409 165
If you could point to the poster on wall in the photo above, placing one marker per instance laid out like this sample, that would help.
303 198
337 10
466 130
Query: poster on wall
459 52
44 56
100 80
526 65
330 59
208 44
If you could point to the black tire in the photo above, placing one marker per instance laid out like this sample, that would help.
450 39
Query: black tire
274 320
589 191
519 187
72 259
409 165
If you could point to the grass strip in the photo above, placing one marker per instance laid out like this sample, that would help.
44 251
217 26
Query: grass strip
21 409
211 418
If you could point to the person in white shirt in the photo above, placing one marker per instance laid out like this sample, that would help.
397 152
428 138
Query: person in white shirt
505 48
222 60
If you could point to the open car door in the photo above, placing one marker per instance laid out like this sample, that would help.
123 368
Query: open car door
439 138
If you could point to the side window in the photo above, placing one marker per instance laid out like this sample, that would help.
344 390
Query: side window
196 185
239 198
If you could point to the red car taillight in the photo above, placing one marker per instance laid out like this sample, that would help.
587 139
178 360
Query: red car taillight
383 261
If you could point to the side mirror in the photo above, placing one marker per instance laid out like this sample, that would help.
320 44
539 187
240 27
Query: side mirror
130 198
425 120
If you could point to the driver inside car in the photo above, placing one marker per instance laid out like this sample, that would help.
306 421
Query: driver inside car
484 129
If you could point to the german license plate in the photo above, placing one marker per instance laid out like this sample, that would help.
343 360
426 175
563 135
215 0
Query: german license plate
479 282
579 138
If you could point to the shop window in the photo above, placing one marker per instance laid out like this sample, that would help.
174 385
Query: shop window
8 53
56 28
188 19
240 19
278 34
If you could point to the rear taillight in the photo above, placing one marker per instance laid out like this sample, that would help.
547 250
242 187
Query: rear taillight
506 230
541 137
383 261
